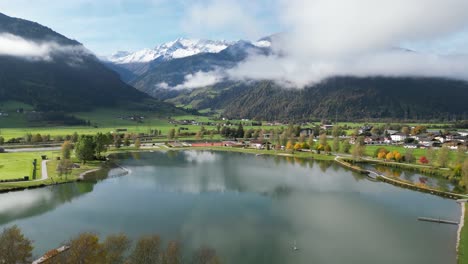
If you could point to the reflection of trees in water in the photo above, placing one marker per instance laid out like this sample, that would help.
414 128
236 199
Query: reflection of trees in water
59 195
324 165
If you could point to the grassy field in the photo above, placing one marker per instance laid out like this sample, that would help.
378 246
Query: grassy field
463 247
18 165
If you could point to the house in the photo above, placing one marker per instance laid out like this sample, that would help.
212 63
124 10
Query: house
306 132
365 129
426 141
410 146
398 137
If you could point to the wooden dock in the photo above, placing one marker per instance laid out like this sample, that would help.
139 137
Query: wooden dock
435 220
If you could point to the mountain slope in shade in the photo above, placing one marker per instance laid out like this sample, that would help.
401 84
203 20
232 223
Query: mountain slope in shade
69 79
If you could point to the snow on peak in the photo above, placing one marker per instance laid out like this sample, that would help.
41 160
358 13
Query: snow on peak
179 48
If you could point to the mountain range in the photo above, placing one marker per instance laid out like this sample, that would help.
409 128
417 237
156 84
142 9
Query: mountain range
54 73
352 98
51 72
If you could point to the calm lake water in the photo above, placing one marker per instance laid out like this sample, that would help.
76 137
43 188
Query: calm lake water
249 208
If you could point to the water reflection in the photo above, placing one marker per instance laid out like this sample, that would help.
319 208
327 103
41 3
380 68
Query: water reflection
28 203
250 209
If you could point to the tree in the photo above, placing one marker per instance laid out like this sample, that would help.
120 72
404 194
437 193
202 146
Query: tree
205 256
117 141
240 131
137 143
74 138
323 139
409 157
311 142
2 140
101 141
423 160
64 167
67 147
14 246
126 140
36 138
418 130
172 255
431 155
171 134
460 154
297 146
327 148
358 151
84 248
147 250
405 130
116 247
346 146
85 148
290 145
442 157
464 172
336 144
389 156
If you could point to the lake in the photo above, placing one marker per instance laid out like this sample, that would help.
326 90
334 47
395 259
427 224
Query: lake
250 209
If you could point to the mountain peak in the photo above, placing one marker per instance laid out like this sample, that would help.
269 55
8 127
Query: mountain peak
179 48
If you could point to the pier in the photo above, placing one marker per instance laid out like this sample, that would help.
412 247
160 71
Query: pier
437 220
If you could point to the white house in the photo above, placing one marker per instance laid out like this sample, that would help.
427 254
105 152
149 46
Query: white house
398 137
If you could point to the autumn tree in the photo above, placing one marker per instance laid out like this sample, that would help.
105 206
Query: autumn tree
84 248
116 247
423 160
14 246
418 130
67 147
147 250
290 145
36 138
172 255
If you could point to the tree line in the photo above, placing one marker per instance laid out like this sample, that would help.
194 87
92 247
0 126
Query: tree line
114 249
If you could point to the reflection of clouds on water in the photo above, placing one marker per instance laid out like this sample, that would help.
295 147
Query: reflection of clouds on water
200 156
217 172
12 203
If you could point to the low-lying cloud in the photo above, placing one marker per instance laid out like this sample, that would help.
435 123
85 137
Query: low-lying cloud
12 45
196 80
326 38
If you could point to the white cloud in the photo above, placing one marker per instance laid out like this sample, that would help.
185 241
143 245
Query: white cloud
12 45
219 16
196 80
327 38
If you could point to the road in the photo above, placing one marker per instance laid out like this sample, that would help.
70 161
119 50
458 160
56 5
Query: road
32 149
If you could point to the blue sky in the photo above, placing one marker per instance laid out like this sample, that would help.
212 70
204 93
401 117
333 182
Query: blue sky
105 26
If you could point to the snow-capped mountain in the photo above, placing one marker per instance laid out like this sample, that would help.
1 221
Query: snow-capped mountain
179 48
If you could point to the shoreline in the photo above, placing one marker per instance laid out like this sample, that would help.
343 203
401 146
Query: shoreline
460 227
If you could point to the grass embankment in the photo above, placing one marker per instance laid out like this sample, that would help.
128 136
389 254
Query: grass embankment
20 164
463 246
